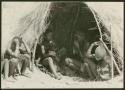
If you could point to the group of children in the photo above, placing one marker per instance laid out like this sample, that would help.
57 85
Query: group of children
96 65
16 58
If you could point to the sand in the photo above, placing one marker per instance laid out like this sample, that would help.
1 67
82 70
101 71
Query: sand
41 80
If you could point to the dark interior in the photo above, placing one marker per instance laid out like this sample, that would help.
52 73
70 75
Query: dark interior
67 18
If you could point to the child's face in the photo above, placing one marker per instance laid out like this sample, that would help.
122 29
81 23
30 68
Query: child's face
16 41
98 58
49 36
15 44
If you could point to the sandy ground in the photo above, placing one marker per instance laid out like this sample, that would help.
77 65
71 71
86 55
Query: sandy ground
41 80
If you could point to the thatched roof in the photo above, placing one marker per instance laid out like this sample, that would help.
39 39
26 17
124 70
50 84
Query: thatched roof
20 12
35 22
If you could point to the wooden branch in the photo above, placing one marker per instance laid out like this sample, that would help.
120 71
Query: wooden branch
112 72
93 28
33 55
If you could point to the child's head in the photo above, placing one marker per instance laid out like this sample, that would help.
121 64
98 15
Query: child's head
100 53
62 51
17 40
49 34
79 36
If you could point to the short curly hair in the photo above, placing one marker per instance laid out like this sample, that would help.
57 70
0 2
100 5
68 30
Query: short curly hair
18 38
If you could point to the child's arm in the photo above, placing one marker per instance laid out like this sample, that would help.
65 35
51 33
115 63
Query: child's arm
19 69
43 49
89 51
26 46
53 69
9 50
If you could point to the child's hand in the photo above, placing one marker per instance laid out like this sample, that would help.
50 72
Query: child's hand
43 49
93 55
52 53
50 41
21 39
19 73
95 43
58 77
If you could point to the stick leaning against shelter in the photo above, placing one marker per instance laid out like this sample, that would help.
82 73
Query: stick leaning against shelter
37 37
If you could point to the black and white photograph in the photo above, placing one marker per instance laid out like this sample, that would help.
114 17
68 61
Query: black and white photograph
62 44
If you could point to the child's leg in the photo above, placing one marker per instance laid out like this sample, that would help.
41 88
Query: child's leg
73 64
25 62
24 66
86 67
92 67
12 66
6 68
2 65
52 67
37 62
29 62
19 68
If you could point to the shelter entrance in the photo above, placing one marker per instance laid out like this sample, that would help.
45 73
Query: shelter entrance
70 20
67 19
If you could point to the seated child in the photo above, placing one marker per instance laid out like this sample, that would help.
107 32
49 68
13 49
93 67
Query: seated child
49 55
98 65
13 55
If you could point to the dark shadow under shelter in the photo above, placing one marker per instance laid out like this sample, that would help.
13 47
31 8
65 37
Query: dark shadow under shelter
67 18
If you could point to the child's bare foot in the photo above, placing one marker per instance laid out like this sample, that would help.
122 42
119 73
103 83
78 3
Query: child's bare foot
26 75
57 77
59 74
14 77
10 79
